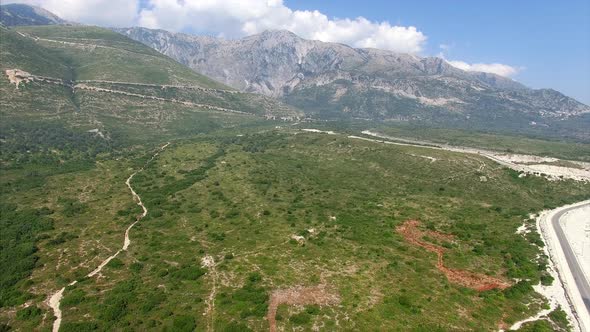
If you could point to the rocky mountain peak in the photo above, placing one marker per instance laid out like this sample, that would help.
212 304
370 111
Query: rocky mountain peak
336 80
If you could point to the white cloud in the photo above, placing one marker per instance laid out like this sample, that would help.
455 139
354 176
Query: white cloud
494 68
236 18
99 12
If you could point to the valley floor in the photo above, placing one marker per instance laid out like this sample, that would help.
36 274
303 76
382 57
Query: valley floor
301 226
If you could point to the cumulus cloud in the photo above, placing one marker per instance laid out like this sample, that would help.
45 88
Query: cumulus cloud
494 68
238 18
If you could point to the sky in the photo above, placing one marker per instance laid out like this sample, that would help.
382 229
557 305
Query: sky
542 43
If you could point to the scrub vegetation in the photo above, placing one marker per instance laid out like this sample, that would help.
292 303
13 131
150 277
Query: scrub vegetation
240 207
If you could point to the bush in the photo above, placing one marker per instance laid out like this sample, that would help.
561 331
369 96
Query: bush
188 273
251 299
136 267
72 207
73 298
184 324
28 313
78 326
312 309
152 300
236 327
115 263
559 317
518 290
300 318
114 309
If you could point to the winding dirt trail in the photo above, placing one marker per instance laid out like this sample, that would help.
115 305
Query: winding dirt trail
17 76
55 299
209 262
480 282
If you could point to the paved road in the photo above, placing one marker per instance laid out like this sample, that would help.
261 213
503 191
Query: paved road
574 265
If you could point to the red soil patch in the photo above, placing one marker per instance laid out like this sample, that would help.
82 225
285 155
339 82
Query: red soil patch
320 295
477 281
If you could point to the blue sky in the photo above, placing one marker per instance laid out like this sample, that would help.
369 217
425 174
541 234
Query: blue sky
550 39
543 44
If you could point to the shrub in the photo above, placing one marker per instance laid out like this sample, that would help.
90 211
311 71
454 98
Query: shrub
115 263
518 290
136 267
312 309
73 298
184 323
78 326
300 318
236 327
188 273
28 313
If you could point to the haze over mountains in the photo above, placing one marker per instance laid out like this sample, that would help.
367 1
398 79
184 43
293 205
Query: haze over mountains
335 81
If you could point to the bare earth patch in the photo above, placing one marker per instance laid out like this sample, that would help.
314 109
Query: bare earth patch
477 281
320 295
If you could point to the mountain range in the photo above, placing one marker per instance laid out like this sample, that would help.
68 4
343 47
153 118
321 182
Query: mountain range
331 81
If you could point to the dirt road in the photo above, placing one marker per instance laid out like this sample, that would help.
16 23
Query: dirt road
54 300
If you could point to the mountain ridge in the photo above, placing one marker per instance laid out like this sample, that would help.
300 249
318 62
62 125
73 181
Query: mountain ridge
15 14
331 80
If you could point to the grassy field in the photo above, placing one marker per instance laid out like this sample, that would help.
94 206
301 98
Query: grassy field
239 199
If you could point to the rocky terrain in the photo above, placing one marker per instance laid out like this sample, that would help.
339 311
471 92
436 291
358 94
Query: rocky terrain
330 80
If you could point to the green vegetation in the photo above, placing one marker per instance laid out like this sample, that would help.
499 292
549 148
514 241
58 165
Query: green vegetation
20 229
128 60
224 201
541 146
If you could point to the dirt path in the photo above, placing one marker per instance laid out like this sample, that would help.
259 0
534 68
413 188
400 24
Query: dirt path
17 76
527 164
209 262
55 299
319 294
479 282
187 103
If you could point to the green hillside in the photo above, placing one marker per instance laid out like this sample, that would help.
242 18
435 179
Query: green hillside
94 53
106 82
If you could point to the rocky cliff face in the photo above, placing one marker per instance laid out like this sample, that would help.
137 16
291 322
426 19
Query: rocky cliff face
330 80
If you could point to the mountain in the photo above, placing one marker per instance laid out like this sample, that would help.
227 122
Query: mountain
330 80
20 14
80 80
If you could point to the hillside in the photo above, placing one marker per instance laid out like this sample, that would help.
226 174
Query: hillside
335 81
94 79
21 14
